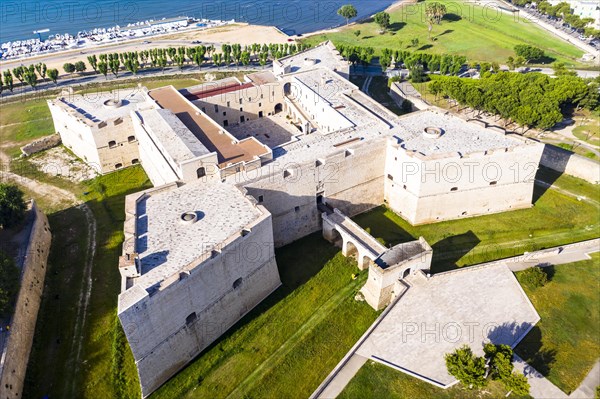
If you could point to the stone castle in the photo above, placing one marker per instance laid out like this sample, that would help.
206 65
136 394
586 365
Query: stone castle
243 167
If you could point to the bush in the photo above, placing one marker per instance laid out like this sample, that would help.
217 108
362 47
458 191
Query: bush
466 367
534 277
9 282
12 205
68 67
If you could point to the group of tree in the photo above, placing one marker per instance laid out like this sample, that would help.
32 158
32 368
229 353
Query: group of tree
445 64
12 206
530 100
474 372
529 53
9 283
26 75
563 11
162 58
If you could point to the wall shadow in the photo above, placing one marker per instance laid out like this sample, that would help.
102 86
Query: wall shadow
546 177
448 251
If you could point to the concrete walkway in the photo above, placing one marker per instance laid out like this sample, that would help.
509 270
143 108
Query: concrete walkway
343 377
540 386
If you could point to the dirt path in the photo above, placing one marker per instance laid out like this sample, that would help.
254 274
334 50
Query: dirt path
84 299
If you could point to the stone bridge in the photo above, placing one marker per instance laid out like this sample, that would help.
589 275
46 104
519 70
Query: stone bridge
354 239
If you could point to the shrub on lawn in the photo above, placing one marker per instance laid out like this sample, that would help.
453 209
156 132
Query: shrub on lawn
534 277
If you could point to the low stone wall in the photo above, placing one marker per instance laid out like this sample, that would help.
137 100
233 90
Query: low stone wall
405 91
40 145
15 357
572 164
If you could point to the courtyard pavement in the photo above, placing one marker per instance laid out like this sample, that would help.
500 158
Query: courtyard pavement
439 314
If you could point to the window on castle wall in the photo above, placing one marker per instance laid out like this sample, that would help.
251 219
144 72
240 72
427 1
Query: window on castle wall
228 104
493 183
216 108
296 209
191 318
237 283
200 172
131 139
224 113
241 100
112 144
390 177
135 161
118 166
261 199
454 189
225 123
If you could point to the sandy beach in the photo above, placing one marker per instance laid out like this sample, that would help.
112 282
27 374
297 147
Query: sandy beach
244 34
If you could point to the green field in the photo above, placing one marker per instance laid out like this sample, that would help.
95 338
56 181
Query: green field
374 381
480 34
52 368
565 344
22 122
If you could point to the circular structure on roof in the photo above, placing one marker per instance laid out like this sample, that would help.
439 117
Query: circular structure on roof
188 217
112 103
310 61
432 132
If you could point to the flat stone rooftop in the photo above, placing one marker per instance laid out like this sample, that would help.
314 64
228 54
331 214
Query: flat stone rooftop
214 137
458 135
97 107
178 141
437 315
323 55
400 253
166 244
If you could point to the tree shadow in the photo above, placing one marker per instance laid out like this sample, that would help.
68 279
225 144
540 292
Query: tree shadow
367 37
451 17
531 350
447 31
546 59
396 26
448 251
549 269
425 47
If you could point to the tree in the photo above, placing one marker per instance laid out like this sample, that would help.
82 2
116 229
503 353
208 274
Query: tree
93 60
18 73
347 11
357 33
9 282
414 42
434 12
529 53
30 77
517 383
68 67
466 367
80 66
12 205
8 80
41 70
383 20
103 68
560 69
53 75
245 58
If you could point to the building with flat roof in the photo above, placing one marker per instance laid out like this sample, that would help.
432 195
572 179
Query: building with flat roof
241 166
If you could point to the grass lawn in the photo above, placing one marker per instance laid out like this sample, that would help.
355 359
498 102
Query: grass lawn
22 122
375 380
480 34
557 218
106 368
588 129
565 344
287 345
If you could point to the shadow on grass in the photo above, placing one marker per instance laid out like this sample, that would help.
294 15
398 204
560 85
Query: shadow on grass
547 176
447 31
451 17
396 26
425 47
448 251
531 350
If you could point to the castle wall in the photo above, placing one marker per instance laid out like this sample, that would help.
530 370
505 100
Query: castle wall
575 165
106 146
18 345
168 328
251 103
350 180
426 189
